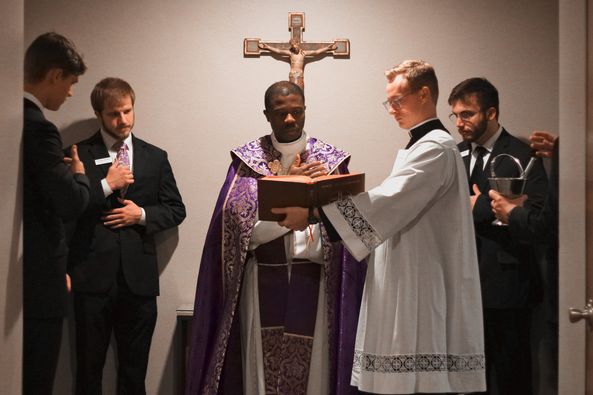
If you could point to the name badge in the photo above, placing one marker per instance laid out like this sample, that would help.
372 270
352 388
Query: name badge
464 153
103 161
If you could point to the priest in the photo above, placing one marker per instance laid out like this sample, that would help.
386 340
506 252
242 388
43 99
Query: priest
275 309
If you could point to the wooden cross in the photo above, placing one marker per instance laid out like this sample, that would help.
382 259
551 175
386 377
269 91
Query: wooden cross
296 50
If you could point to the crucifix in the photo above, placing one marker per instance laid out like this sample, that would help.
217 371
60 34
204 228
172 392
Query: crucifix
296 50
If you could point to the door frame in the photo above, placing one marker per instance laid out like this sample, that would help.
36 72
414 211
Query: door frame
572 58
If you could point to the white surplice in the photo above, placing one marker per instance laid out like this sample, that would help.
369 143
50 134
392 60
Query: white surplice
297 245
420 325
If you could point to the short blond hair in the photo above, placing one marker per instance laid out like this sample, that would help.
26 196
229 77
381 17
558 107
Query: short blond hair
418 73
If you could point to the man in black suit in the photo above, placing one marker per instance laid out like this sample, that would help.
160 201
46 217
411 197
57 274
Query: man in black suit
113 260
509 274
541 228
52 193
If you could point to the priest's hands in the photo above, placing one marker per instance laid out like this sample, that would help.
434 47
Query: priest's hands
313 169
127 215
296 217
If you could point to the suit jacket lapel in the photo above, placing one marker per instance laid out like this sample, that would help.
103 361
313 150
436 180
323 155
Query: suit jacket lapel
98 150
500 147
138 159
463 146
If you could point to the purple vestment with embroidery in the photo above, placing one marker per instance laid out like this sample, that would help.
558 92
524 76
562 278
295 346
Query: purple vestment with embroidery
214 361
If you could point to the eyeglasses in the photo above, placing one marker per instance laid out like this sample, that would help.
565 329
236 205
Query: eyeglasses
395 103
463 115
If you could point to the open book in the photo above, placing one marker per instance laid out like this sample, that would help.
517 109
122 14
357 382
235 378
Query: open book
303 191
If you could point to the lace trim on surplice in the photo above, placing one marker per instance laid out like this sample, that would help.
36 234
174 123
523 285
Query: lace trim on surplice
358 223
415 363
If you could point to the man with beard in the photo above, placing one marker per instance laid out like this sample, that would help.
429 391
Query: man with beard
275 310
509 273
113 262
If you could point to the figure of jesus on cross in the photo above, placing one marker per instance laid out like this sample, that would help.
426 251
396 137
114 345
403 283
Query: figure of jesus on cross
296 50
297 59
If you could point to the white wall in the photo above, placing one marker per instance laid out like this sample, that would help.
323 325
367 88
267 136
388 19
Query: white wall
11 104
198 97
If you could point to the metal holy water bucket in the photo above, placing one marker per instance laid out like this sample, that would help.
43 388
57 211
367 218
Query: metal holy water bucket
507 186
511 187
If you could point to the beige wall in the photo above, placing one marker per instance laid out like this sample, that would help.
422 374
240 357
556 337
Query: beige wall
11 103
198 97
572 254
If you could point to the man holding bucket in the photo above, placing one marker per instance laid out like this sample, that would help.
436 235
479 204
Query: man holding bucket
509 274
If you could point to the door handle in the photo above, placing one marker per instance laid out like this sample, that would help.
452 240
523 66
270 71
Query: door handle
576 315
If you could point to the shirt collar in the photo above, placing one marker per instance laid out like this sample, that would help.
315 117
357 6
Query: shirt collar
422 123
423 128
31 97
489 144
291 148
109 140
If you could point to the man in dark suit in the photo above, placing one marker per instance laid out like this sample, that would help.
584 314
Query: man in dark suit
52 194
113 260
540 227
509 274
